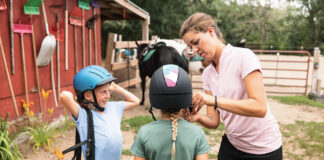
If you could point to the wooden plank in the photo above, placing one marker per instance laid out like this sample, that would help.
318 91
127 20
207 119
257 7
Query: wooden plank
130 83
110 52
121 65
132 8
128 44
145 29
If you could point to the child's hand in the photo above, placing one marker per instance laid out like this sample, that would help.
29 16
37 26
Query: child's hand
112 87
66 94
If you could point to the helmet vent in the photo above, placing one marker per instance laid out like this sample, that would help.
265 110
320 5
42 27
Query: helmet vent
96 74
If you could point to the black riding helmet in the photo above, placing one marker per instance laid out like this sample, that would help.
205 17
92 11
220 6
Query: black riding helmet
170 88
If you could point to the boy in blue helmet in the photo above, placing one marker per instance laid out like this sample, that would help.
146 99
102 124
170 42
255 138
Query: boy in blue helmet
171 137
93 85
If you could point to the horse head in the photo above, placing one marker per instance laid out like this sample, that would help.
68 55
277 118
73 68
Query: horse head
152 56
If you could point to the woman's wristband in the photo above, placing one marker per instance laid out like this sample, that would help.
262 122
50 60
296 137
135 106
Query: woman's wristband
215 106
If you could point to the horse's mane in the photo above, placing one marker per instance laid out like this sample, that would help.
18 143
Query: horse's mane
140 49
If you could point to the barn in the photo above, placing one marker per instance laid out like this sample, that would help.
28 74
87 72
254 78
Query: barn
29 64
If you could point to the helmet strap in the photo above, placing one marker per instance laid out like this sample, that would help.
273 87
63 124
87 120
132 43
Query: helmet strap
151 111
98 108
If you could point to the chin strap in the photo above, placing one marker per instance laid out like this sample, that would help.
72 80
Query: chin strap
95 103
151 111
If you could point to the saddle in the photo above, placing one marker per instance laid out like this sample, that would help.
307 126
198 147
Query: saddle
150 50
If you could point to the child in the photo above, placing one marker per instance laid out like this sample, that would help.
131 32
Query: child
171 137
93 85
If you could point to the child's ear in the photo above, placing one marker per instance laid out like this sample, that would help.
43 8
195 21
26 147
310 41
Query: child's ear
88 95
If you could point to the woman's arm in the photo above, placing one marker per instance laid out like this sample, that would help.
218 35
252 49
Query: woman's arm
67 99
254 106
130 99
202 156
138 158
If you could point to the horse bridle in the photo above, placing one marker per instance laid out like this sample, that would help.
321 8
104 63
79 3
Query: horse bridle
153 47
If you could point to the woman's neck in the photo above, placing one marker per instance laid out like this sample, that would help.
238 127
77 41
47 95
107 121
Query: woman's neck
219 50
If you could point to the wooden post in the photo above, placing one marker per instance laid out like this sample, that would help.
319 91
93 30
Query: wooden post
318 84
110 51
145 29
317 54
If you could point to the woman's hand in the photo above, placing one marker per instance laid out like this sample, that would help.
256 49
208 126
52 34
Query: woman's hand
201 99
185 113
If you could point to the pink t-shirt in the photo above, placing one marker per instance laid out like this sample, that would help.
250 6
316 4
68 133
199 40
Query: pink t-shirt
248 134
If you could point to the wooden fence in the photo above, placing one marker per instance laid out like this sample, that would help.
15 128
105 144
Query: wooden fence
114 66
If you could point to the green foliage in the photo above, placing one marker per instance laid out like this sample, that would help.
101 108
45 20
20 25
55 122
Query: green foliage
66 124
127 152
297 100
135 123
41 135
262 26
8 148
212 156
206 130
307 135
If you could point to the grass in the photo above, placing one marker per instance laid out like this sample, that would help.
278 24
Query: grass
127 152
297 100
302 140
305 137
135 123
212 156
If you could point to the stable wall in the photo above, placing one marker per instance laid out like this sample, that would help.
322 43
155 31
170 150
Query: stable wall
66 76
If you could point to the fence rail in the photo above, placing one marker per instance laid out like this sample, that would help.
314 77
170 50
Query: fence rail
114 66
286 76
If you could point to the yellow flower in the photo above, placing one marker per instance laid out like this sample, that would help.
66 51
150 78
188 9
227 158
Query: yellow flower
45 94
59 154
50 111
30 104
31 113
24 105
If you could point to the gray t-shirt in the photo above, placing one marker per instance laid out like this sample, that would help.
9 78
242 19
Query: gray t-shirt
154 141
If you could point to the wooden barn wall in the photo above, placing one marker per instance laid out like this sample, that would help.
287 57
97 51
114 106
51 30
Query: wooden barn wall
66 76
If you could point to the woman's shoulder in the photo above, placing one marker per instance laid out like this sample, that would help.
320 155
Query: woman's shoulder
242 51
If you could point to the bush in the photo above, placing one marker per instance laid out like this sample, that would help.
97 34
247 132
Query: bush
8 149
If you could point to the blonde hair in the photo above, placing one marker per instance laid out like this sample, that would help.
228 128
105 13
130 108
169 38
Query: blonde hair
199 22
174 121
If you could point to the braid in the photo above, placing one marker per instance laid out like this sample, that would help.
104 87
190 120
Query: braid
174 121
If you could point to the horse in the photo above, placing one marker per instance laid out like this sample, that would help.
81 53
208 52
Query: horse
152 56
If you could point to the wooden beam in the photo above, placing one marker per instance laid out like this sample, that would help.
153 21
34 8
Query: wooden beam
121 65
133 9
130 83
110 51
145 29
128 44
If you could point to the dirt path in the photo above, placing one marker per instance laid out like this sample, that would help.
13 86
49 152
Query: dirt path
285 114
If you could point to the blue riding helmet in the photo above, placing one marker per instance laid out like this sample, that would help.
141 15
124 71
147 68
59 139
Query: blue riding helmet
90 77
170 88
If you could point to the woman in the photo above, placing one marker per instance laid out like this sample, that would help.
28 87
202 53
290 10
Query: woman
234 92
